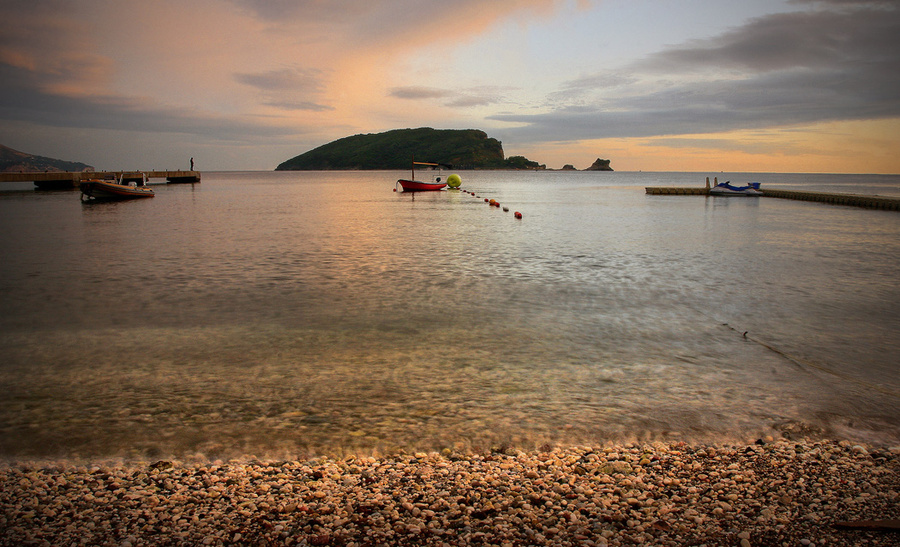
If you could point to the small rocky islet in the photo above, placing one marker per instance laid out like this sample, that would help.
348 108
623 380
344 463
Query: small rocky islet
784 492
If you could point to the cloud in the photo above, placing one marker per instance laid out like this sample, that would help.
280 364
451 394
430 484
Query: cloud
22 100
299 105
286 79
41 38
390 15
887 4
466 98
420 92
469 101
365 23
812 40
280 88
574 92
321 12
790 68
59 71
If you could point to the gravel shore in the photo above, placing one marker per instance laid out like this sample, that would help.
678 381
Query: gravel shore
769 493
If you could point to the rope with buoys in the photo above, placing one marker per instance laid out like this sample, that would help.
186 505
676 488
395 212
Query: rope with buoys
454 182
803 364
495 203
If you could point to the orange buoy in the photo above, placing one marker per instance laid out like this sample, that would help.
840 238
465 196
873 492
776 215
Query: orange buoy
517 214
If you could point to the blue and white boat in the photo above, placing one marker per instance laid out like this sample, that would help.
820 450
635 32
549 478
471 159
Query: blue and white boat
727 189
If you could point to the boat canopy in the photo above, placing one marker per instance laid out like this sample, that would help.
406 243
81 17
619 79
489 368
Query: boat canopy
444 165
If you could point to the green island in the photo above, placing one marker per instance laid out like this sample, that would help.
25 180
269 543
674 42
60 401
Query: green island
395 149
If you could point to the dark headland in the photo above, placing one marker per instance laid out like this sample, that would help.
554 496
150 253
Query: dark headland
13 161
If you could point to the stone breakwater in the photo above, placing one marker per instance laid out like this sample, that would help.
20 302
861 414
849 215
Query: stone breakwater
776 493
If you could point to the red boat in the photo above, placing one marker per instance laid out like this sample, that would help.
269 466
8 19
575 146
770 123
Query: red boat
114 189
413 185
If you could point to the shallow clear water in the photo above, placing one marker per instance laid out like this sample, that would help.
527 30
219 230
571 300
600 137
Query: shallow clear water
286 314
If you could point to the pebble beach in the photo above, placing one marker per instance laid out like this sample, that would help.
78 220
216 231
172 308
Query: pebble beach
773 492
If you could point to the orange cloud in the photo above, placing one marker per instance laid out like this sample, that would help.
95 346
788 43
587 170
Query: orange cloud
836 147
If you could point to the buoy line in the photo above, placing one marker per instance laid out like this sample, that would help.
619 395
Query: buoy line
493 203
454 182
803 363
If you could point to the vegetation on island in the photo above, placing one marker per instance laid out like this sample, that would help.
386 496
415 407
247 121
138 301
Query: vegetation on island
13 161
521 162
395 149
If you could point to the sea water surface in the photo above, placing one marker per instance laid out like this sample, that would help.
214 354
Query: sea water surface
289 314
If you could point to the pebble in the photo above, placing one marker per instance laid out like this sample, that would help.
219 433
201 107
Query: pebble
776 493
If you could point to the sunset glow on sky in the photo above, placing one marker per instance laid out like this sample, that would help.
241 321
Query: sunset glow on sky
653 85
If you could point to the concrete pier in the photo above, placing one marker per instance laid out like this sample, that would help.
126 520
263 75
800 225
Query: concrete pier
853 200
70 179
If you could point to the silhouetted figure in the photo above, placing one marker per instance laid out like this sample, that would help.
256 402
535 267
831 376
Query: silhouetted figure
192 164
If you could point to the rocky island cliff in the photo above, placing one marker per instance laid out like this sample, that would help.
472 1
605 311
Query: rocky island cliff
600 165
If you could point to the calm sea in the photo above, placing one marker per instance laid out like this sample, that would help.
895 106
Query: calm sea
289 314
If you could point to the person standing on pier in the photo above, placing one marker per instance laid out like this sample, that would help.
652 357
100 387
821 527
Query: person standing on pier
192 164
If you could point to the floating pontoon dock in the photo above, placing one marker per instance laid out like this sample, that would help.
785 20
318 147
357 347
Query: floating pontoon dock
854 200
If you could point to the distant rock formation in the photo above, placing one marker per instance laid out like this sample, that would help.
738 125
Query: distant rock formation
600 165
13 161
569 167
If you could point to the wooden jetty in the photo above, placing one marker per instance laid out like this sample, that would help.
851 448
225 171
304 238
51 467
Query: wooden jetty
854 200
51 180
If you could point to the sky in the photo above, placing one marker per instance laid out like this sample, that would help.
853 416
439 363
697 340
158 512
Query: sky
652 85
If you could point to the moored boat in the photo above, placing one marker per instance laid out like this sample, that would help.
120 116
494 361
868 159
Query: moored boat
727 189
97 189
413 185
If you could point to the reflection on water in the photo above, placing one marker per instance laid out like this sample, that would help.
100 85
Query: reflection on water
285 314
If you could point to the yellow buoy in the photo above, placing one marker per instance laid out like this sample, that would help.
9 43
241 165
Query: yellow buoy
453 181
